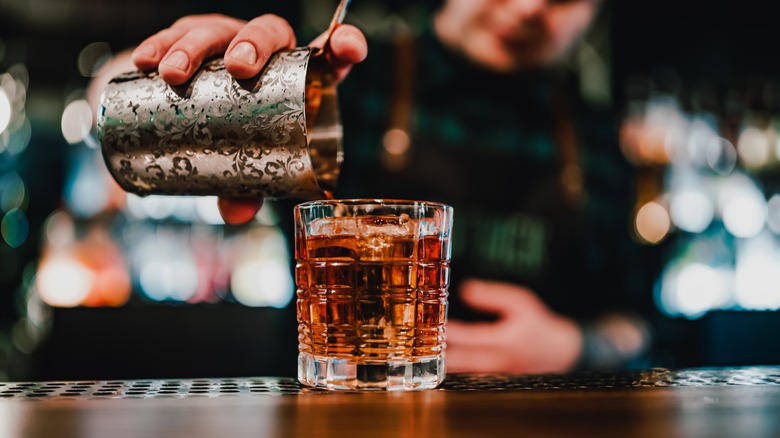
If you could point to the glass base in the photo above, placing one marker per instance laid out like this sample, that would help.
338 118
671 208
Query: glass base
391 375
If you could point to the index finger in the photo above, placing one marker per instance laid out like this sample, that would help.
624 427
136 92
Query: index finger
499 298
480 334
149 54
255 43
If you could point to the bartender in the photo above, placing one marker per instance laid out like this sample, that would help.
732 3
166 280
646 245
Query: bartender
479 112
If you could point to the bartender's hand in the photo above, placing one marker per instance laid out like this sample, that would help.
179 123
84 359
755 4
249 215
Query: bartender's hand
178 51
527 337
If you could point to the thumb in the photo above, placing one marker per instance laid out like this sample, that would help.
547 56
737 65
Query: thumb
498 298
348 46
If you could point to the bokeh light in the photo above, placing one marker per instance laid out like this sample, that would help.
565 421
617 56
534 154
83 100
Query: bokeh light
652 222
665 129
21 77
757 277
267 215
62 281
15 228
693 289
182 208
654 131
155 207
699 288
12 87
5 111
396 141
743 207
691 210
744 216
76 121
165 266
92 57
719 190
773 213
19 138
754 148
262 283
261 275
86 187
13 192
721 155
59 229
777 149
208 210
169 279
702 136
111 286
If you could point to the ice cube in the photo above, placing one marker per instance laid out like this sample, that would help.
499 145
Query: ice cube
390 225
374 247
332 226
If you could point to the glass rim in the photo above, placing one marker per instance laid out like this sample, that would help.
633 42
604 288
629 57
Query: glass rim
374 201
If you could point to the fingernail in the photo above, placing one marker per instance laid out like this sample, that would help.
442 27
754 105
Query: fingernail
244 52
145 51
178 59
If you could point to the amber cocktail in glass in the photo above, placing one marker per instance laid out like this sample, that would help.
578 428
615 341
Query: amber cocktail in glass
372 279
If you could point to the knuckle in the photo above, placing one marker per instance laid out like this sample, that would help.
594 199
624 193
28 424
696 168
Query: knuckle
183 21
273 23
165 35
199 42
274 19
203 20
199 34
255 32
214 17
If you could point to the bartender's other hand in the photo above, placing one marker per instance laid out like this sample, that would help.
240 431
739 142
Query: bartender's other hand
180 49
527 337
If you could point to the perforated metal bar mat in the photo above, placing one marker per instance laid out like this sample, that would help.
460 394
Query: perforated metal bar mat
247 387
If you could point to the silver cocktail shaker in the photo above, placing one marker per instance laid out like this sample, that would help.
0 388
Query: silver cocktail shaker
276 135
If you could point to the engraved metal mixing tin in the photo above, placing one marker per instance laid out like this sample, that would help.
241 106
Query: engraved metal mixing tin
277 135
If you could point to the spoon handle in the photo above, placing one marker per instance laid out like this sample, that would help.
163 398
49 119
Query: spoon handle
338 18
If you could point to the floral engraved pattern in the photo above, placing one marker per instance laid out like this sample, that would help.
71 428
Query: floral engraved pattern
212 136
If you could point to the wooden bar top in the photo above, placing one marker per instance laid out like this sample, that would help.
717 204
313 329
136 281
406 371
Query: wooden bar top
740 402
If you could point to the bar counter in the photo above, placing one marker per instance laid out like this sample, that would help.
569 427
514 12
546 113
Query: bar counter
724 402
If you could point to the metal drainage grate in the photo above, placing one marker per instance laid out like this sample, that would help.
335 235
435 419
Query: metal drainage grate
151 388
656 378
